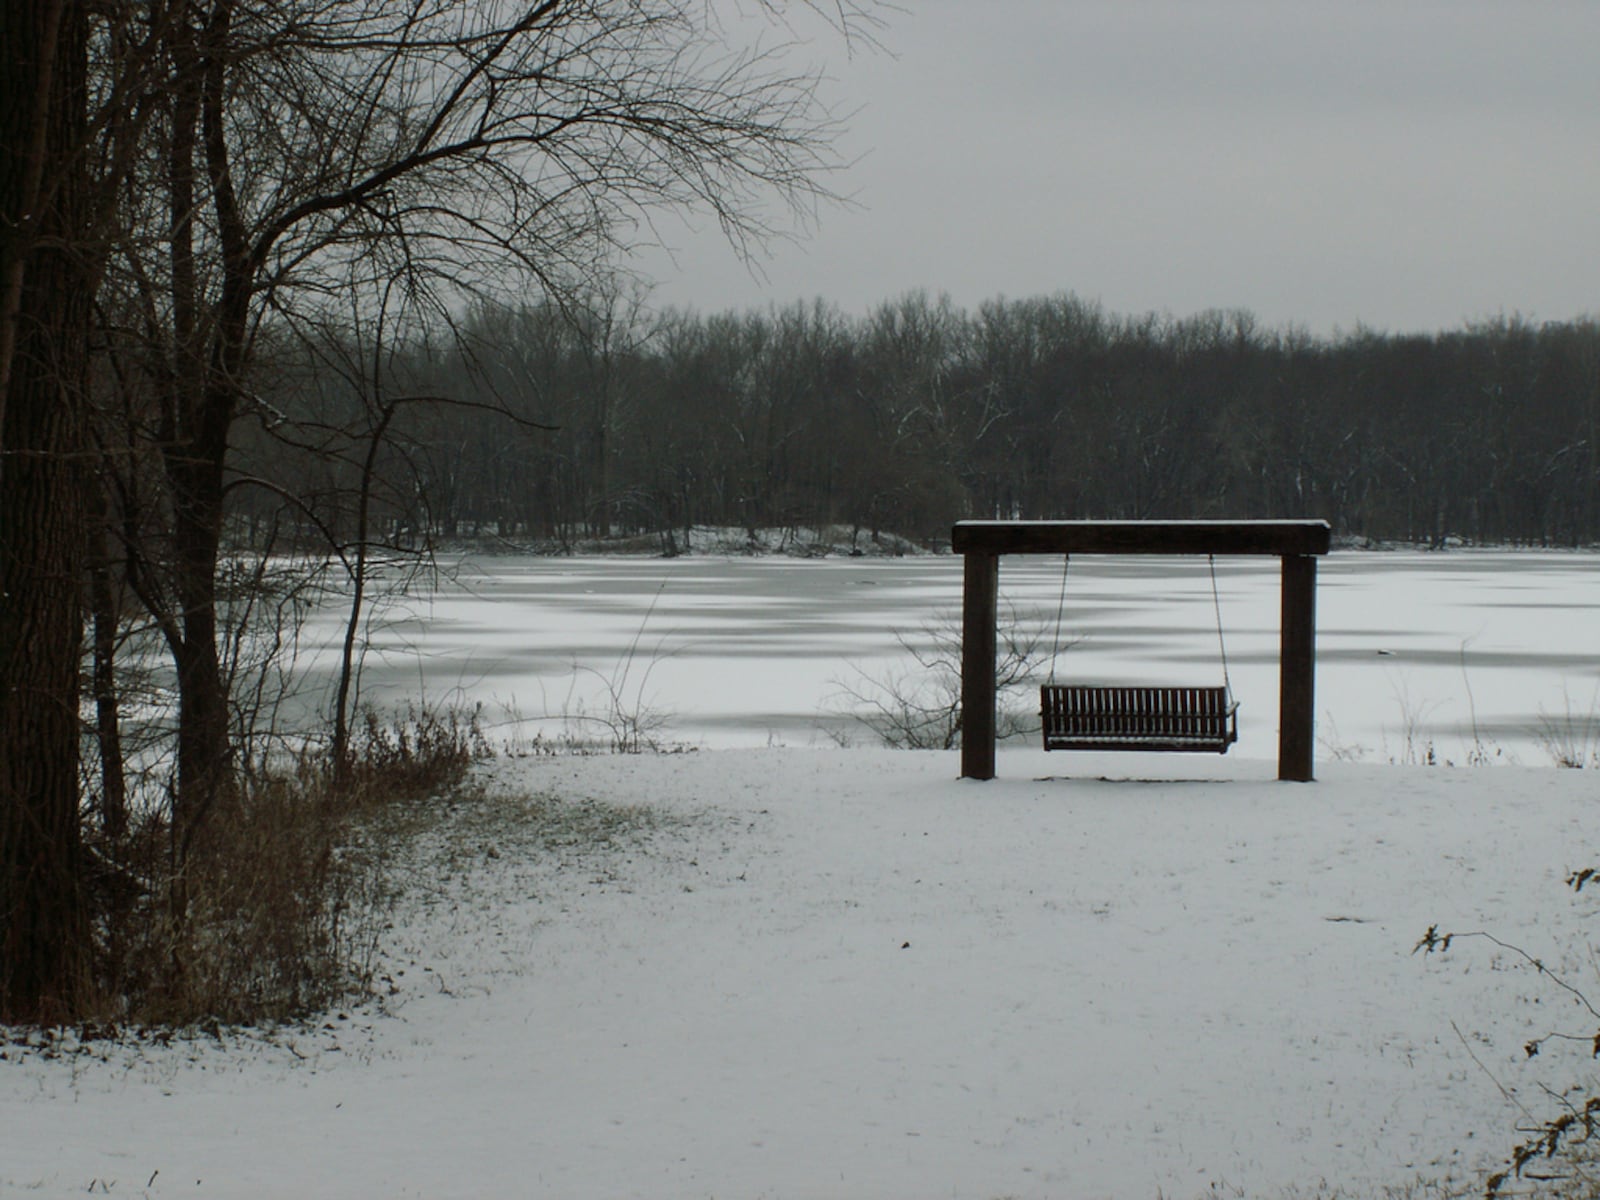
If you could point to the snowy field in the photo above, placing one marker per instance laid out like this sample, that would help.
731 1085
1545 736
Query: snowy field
825 973
813 972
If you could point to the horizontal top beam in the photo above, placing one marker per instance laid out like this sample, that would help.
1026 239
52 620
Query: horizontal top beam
1141 537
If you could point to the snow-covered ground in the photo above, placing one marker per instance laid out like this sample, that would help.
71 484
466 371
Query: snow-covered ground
828 973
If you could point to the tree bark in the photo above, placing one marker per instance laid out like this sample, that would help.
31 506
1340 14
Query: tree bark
44 956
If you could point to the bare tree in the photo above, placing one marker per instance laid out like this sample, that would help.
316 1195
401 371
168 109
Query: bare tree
308 148
208 172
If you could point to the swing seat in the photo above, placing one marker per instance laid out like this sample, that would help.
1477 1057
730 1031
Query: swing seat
1086 717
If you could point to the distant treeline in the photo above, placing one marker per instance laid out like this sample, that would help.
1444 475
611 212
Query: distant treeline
922 413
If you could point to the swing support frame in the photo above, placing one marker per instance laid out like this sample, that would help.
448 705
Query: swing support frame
1297 544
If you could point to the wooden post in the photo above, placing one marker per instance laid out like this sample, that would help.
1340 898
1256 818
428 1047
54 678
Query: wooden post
1296 667
980 597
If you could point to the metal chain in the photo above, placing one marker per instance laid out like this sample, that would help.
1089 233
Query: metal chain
1216 603
1061 604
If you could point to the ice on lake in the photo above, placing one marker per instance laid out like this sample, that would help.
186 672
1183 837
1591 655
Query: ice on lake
1459 655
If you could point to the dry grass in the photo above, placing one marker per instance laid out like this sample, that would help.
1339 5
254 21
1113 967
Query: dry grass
274 912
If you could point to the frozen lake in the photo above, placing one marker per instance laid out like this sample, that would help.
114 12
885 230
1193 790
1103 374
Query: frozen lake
1459 654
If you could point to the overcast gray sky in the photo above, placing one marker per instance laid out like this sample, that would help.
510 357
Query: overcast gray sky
1404 164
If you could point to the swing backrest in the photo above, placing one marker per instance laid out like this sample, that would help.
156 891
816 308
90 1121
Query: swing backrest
1087 717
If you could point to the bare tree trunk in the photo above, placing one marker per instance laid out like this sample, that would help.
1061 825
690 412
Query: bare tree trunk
43 928
200 413
24 152
358 589
204 768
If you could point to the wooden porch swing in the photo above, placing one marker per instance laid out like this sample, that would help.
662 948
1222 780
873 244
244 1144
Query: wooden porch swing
1183 718
1075 716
